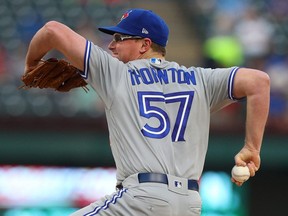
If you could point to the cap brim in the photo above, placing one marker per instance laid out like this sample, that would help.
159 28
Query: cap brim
114 29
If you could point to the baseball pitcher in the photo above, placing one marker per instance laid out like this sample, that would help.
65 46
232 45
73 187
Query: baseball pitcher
158 112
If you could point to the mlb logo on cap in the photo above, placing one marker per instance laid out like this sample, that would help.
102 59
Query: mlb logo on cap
143 23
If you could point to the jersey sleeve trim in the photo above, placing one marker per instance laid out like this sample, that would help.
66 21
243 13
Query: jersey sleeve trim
231 84
84 74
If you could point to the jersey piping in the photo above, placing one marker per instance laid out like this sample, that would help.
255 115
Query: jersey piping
231 83
84 74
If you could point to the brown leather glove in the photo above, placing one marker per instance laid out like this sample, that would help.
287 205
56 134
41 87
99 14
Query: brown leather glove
56 74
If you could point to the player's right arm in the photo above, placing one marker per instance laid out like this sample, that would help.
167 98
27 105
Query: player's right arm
55 35
255 86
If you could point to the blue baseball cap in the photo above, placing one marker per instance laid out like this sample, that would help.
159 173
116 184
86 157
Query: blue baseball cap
143 23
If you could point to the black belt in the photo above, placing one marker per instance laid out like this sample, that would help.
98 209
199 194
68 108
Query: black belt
162 178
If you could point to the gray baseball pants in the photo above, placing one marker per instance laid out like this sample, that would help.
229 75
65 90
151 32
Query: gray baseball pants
149 199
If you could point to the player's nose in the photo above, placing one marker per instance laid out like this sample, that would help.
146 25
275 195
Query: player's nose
111 45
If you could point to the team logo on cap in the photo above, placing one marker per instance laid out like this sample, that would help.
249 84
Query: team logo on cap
125 15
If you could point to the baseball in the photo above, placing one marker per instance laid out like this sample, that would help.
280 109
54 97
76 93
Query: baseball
240 173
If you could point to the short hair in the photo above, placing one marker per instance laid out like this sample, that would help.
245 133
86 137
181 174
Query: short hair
158 48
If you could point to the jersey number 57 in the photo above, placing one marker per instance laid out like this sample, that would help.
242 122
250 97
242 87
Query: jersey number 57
148 101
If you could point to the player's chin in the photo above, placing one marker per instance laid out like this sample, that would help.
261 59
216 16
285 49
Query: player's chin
120 59
115 55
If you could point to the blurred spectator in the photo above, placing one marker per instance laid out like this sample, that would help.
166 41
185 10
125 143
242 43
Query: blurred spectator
3 61
279 10
255 34
222 24
113 2
221 47
234 7
222 51
28 22
276 67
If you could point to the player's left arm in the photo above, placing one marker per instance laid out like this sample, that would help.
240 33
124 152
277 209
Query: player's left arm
255 86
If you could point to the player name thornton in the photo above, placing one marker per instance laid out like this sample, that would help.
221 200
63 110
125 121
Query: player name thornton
164 76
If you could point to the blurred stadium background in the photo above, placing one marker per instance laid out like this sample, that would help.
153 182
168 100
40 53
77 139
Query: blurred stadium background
54 144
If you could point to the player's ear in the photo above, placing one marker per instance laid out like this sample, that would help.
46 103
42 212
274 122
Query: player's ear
146 44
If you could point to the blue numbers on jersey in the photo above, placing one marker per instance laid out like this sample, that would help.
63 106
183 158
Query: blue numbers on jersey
148 102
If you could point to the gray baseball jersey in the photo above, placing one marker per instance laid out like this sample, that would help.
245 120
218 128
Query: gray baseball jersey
158 112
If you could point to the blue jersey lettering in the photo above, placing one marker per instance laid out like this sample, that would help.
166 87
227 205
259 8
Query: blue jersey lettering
149 76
